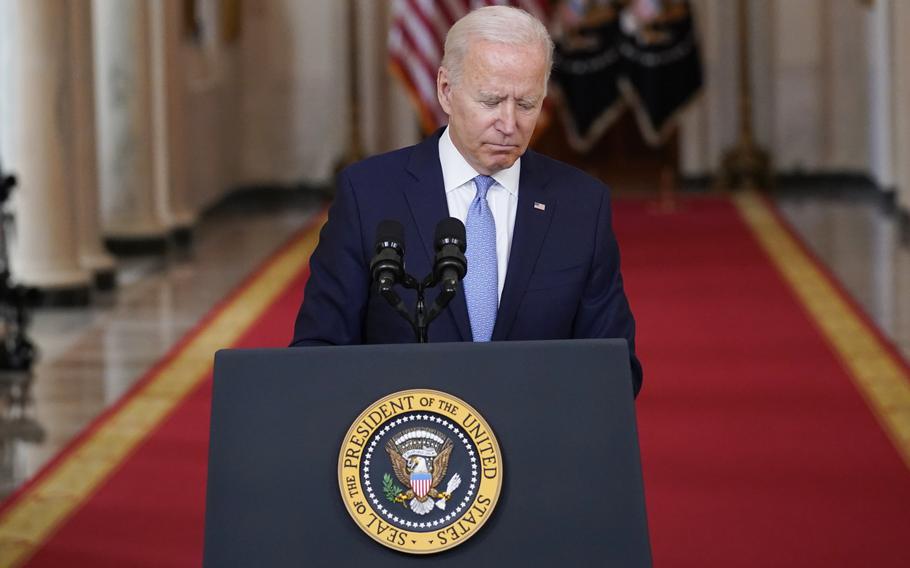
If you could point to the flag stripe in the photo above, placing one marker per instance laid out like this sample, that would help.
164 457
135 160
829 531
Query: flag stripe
414 65
420 31
425 87
434 29
437 17
414 50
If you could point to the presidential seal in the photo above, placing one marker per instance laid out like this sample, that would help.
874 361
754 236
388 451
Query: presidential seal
420 471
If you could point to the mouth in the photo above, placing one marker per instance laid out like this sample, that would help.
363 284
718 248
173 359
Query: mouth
502 147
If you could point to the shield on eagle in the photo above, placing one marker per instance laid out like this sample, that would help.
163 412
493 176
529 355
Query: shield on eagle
421 483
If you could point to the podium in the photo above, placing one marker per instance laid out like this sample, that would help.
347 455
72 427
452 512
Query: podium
562 412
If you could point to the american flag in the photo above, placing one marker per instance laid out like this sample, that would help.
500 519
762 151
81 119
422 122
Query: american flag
416 41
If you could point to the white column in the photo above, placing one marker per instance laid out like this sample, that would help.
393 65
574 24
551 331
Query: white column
693 124
884 275
372 74
36 142
692 136
846 86
881 125
901 114
762 37
799 128
403 122
711 125
171 150
294 70
130 206
92 254
388 120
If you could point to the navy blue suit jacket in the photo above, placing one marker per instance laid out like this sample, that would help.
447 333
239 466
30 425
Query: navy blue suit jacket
563 280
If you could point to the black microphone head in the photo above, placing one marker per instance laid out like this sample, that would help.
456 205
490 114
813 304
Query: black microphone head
450 231
390 233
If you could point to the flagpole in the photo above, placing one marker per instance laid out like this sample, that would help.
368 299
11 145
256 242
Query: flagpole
745 165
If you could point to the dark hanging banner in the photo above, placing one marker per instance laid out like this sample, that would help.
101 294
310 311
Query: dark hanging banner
613 53
662 68
586 71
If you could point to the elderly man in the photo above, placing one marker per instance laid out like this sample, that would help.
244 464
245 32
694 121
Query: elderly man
543 262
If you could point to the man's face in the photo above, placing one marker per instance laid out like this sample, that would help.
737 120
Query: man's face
494 106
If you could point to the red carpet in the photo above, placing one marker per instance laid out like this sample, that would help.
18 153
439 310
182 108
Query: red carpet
758 449
151 511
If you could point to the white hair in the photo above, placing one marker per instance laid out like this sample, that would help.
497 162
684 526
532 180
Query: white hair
498 24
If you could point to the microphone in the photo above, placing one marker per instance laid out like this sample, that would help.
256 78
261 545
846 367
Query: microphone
450 264
387 266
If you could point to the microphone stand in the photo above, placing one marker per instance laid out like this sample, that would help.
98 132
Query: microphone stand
421 318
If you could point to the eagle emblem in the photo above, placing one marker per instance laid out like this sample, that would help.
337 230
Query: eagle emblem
420 457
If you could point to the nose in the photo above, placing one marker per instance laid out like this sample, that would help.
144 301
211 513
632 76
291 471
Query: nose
506 123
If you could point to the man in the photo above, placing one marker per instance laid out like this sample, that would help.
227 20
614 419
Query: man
543 262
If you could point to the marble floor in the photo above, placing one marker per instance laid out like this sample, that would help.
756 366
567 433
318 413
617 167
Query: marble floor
856 233
91 356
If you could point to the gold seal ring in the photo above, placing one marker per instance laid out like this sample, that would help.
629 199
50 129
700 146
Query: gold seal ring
420 471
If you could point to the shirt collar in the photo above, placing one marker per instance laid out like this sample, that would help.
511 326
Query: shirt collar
456 171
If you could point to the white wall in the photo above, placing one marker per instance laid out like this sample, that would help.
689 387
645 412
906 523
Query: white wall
810 79
210 92
294 90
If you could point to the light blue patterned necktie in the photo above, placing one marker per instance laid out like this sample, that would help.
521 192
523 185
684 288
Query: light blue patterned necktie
481 283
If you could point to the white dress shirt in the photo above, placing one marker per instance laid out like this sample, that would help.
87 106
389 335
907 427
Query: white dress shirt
502 197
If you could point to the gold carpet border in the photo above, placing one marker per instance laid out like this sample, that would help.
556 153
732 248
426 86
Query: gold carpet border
877 373
44 506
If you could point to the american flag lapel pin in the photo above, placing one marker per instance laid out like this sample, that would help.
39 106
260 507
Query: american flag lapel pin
540 206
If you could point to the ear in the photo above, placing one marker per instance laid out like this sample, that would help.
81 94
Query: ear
444 90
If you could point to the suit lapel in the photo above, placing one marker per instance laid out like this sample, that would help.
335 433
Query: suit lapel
531 225
427 201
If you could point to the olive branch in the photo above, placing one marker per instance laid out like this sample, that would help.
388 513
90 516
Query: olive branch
390 488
